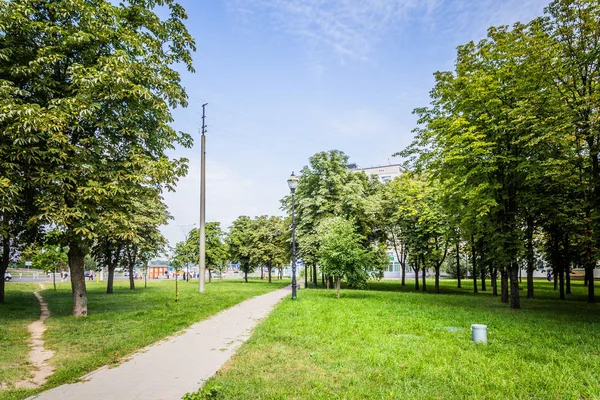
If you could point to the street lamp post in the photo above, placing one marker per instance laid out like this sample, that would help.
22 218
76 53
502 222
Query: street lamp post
293 183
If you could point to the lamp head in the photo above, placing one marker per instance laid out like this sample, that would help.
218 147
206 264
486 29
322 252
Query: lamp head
292 182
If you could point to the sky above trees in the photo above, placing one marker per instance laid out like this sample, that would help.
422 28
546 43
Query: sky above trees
285 80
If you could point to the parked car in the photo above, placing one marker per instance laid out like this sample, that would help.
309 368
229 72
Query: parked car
7 276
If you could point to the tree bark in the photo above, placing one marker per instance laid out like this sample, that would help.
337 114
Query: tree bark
331 286
177 285
568 280
458 264
555 277
494 278
75 256
482 270
515 297
246 276
437 279
530 259
424 274
4 265
338 282
314 270
416 268
474 262
591 294
131 277
269 266
567 264
504 285
110 280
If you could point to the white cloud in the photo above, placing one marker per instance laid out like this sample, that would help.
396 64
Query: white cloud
351 29
348 28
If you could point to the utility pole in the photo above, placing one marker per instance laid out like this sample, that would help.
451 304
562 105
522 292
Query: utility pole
201 287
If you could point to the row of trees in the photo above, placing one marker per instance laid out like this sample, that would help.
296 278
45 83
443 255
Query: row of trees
510 143
262 242
87 89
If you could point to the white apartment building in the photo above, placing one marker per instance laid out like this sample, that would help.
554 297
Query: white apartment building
384 172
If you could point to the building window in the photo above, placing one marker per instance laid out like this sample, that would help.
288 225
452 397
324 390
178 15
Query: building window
385 178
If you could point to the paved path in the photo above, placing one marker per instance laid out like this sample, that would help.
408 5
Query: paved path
169 369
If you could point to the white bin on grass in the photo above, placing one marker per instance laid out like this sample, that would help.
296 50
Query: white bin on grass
479 333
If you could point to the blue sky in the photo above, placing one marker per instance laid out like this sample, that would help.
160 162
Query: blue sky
286 79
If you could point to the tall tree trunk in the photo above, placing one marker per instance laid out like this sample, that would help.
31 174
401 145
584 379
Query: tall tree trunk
424 274
262 272
482 270
111 279
529 256
567 264
561 280
586 276
494 281
246 276
146 276
416 268
76 255
323 279
315 277
131 277
504 285
437 279
338 282
555 276
269 266
403 268
458 264
515 297
591 294
177 286
474 262
330 278
4 264
209 275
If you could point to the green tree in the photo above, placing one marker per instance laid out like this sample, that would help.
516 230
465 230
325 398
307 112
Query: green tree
270 238
340 252
188 251
95 83
327 188
49 258
239 241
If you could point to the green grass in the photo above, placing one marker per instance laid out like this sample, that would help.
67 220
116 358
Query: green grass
20 309
117 325
388 343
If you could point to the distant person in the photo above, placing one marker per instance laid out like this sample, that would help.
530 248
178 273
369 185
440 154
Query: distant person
549 275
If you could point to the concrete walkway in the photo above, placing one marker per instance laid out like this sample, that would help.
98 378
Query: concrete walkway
169 369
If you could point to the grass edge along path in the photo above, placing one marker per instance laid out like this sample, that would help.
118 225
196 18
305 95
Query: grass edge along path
391 344
126 321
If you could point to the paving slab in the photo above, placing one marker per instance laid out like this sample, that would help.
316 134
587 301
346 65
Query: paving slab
180 364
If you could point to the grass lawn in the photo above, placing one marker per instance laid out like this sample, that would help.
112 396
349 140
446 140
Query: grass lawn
117 325
386 343
20 309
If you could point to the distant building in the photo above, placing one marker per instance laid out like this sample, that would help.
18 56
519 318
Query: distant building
384 172
157 271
